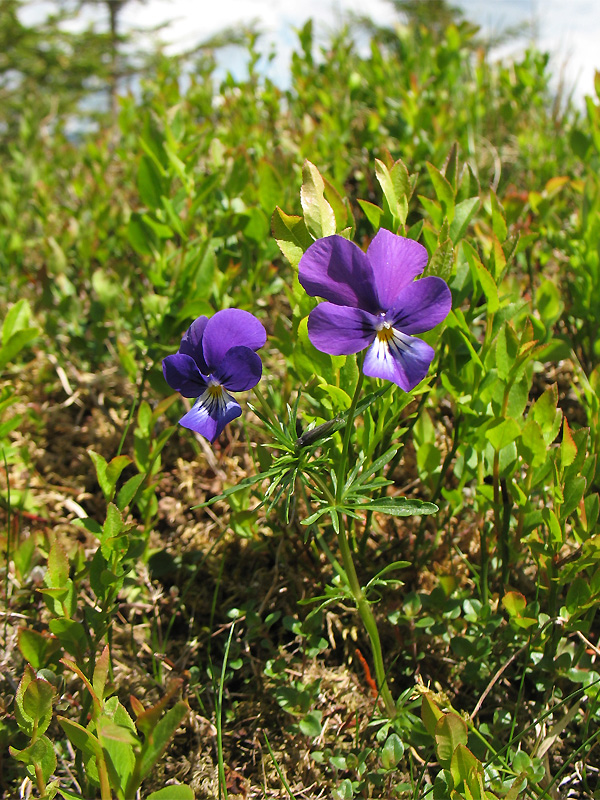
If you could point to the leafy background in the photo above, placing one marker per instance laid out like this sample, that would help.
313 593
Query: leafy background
154 636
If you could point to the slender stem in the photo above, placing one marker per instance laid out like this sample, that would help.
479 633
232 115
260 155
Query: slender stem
105 792
9 523
366 614
341 472
219 718
362 604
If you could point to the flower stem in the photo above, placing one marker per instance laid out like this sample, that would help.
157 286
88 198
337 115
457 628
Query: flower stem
362 604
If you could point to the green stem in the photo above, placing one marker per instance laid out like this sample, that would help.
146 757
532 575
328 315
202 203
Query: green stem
364 609
105 792
341 473
362 604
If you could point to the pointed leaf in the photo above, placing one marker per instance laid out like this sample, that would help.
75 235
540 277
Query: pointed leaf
291 234
318 214
430 713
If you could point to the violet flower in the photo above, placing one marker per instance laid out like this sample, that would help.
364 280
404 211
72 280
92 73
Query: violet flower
216 356
374 302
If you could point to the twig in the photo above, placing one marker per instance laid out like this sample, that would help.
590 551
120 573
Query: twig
494 680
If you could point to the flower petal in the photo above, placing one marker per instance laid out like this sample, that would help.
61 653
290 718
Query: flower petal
230 328
339 330
404 360
240 370
420 306
182 374
338 270
211 412
191 343
396 262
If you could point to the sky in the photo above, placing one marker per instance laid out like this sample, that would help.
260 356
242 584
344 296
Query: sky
569 29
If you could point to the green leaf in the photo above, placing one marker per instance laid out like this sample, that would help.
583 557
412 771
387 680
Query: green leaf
573 493
317 515
392 751
39 754
430 713
15 344
173 792
80 737
118 743
318 214
101 673
17 319
397 507
442 261
71 635
100 467
37 703
372 212
443 190
150 183
465 768
482 276
24 721
113 524
140 237
578 596
568 448
545 412
498 218
590 512
502 432
515 603
58 566
450 731
291 235
113 471
128 491
270 189
532 446
35 647
161 736
311 724
394 186
340 209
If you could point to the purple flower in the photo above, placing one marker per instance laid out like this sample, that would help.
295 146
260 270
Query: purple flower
374 300
216 356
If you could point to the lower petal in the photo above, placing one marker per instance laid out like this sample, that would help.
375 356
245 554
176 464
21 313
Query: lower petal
404 360
340 330
211 412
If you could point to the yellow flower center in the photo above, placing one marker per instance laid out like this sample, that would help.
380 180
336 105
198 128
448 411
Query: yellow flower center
385 333
215 390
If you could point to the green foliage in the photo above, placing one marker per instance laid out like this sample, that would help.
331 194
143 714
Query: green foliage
460 520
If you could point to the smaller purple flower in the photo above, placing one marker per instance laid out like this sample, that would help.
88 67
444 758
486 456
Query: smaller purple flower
216 356
374 302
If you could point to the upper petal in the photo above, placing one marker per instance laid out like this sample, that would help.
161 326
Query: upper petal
191 343
340 330
182 374
404 360
338 270
396 262
230 328
240 370
420 306
211 413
